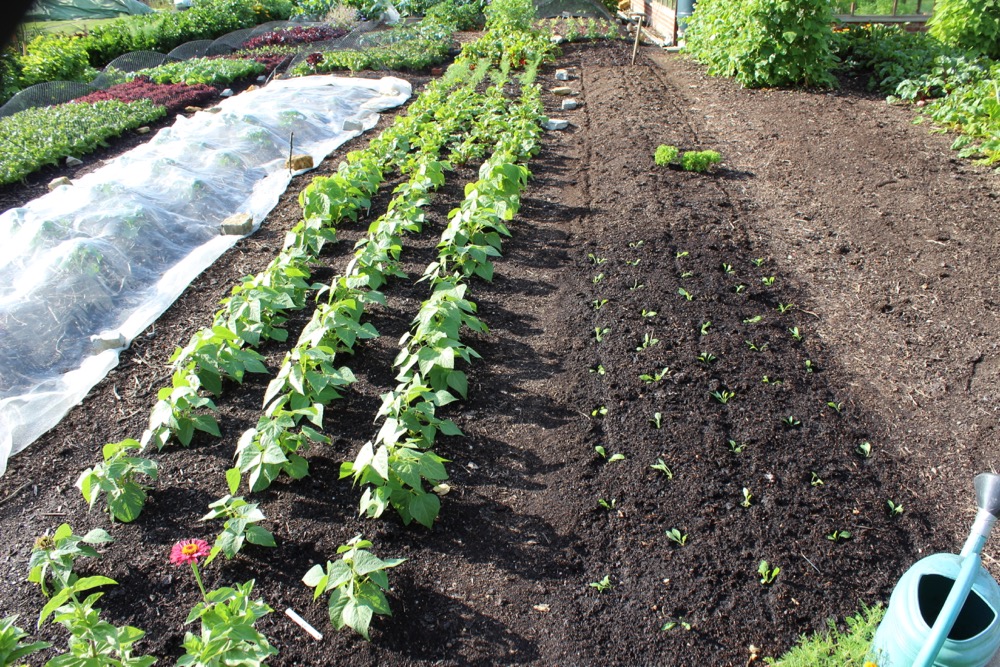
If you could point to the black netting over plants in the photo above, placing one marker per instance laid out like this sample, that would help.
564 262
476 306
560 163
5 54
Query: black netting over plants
45 94
357 40
553 9
196 49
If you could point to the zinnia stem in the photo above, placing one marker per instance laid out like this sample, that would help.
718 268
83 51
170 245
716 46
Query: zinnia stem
197 577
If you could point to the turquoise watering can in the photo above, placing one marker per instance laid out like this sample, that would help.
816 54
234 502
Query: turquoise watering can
945 610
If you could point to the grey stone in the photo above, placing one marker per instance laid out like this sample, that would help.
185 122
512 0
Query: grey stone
73 161
555 124
143 130
561 90
240 224
562 75
569 105
228 92
353 126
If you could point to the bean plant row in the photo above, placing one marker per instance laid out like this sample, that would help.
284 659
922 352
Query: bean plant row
450 114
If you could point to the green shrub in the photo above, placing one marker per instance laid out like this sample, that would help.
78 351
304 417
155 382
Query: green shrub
968 24
699 161
764 42
463 15
55 58
665 154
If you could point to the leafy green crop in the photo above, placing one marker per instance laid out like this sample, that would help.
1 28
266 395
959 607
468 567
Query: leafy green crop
118 477
203 70
12 649
67 129
700 161
665 154
764 43
356 584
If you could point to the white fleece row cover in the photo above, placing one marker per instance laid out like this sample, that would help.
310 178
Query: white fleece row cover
92 264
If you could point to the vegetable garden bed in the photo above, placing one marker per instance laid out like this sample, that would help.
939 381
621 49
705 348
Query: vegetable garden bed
821 216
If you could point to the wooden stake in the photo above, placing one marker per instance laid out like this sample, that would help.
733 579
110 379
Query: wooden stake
638 33
291 143
895 6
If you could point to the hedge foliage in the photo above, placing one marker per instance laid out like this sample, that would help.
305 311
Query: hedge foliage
764 43
972 25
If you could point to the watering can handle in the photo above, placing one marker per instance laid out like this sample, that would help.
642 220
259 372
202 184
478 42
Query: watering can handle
988 493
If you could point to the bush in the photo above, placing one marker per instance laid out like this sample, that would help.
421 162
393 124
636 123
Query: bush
665 154
463 15
55 58
764 42
968 24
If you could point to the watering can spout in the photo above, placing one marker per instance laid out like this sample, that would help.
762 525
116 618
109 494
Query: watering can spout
988 493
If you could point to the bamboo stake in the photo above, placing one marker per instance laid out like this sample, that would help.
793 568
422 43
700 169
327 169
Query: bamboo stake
638 33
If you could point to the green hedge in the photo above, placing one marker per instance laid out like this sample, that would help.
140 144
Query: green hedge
764 43
968 24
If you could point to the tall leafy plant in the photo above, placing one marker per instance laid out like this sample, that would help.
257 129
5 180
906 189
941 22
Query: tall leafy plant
764 43
968 24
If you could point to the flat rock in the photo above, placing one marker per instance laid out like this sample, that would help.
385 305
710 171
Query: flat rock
555 124
239 224
142 130
59 182
73 161
301 161
569 105
562 75
353 126
561 90
192 109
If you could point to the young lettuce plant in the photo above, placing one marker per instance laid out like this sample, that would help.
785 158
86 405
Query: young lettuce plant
52 557
356 584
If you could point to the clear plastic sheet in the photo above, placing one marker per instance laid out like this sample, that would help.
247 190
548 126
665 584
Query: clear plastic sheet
88 267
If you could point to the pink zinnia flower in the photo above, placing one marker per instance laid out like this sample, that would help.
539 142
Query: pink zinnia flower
189 551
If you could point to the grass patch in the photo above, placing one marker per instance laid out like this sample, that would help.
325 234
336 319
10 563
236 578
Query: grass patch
833 648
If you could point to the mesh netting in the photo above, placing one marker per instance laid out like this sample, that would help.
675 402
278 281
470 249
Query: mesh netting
45 94
196 49
58 92
551 9
232 41
129 62
358 39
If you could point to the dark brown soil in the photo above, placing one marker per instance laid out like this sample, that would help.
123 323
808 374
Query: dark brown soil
864 221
